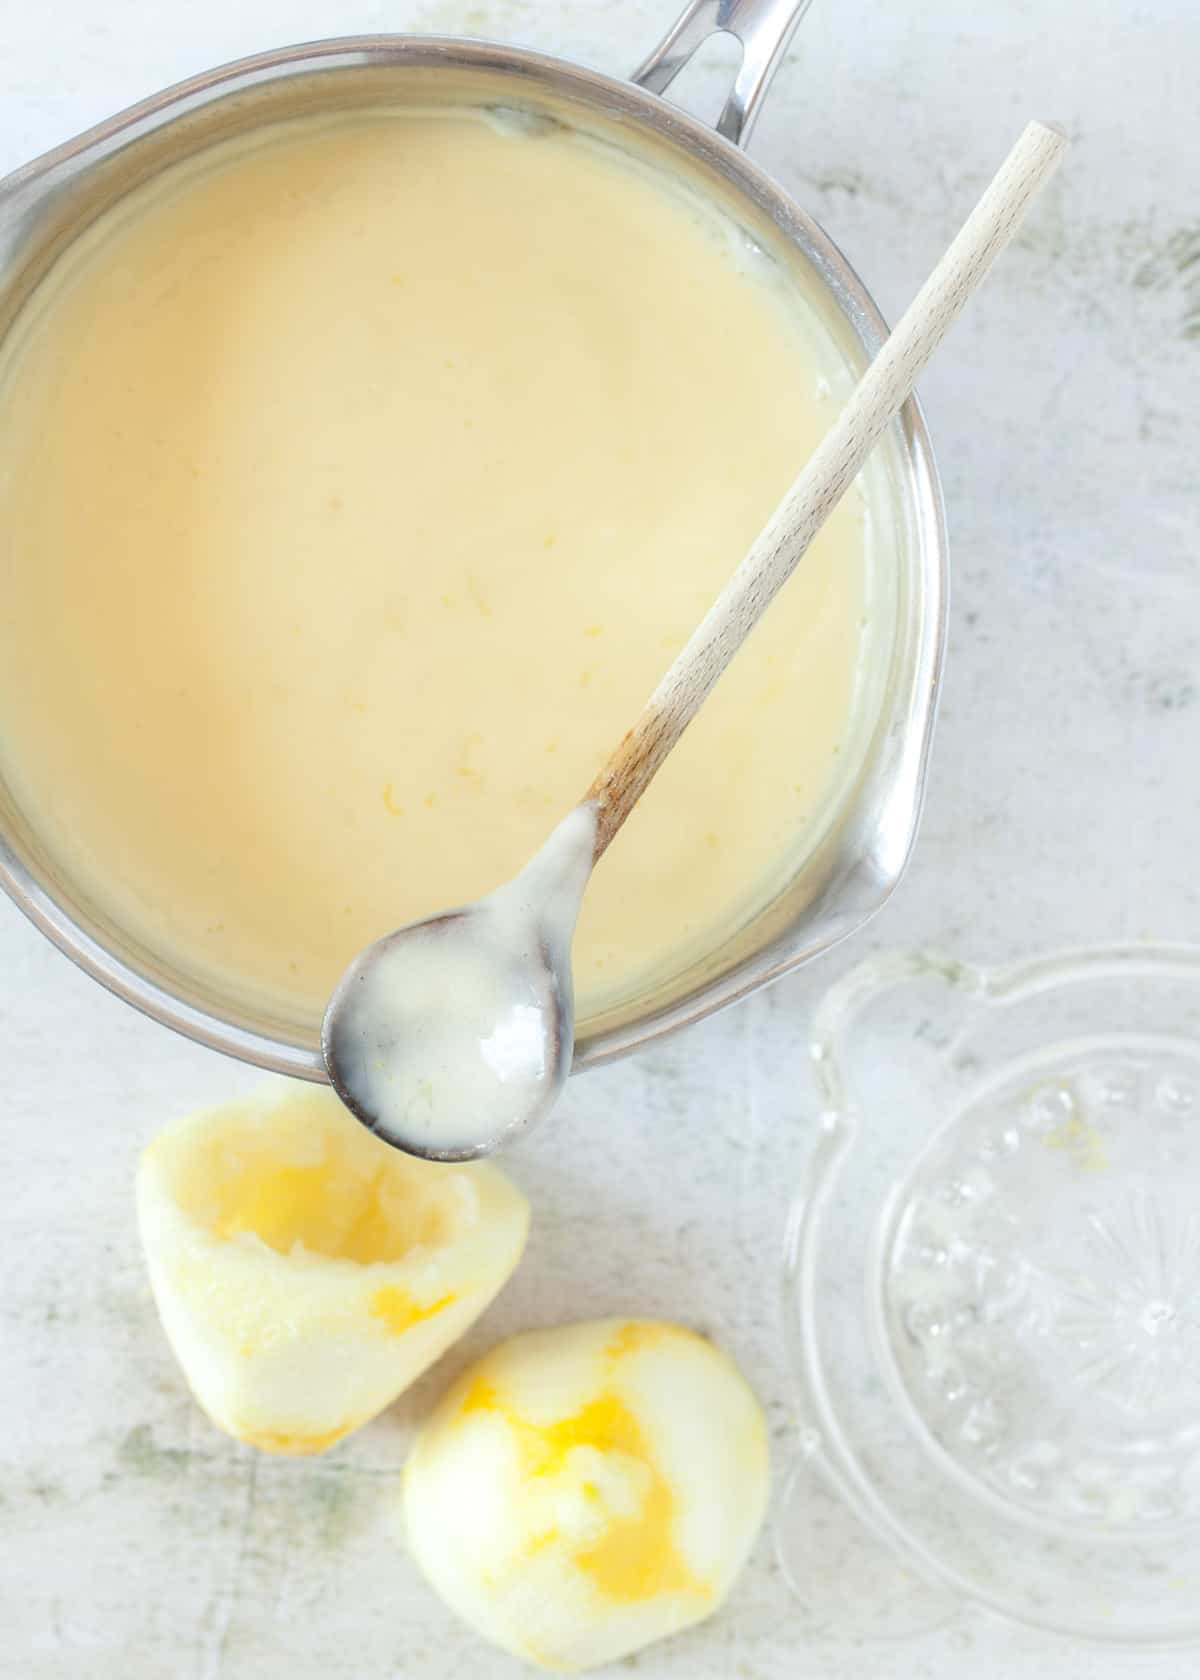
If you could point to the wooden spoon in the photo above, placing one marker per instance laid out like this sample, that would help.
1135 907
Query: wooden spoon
454 1034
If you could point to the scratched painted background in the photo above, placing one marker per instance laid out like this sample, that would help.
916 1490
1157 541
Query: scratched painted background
138 1544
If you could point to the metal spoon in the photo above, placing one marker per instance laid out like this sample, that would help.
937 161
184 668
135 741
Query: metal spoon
454 1034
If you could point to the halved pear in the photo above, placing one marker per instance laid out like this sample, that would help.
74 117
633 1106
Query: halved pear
304 1272
582 1491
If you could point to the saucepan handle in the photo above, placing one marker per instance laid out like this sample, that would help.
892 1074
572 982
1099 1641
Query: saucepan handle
764 28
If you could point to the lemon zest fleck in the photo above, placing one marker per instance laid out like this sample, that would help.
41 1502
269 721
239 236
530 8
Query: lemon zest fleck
399 1311
277 1441
1079 1139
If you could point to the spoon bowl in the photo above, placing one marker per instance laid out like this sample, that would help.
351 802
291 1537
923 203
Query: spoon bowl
453 1034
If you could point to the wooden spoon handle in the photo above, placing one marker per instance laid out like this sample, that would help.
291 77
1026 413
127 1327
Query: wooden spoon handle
877 399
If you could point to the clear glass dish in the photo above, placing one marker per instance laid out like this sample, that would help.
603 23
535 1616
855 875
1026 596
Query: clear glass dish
992 1293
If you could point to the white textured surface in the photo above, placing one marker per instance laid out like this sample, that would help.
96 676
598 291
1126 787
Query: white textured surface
136 1543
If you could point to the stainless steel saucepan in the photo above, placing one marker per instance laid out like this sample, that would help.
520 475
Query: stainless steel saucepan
843 869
